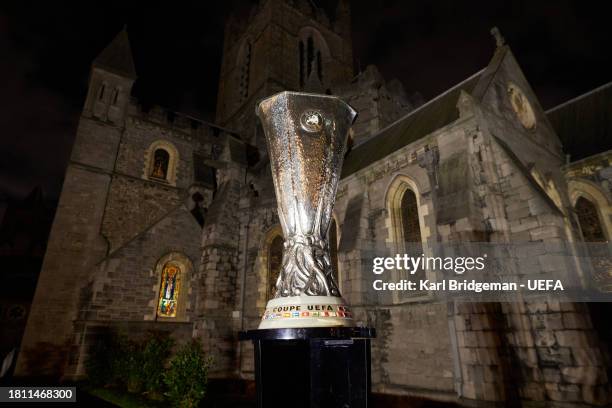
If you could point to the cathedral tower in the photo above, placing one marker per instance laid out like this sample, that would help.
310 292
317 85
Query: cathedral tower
283 45
75 242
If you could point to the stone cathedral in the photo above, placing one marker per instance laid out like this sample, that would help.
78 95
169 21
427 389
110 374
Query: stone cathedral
169 223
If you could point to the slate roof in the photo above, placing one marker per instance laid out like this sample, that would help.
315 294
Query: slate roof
584 124
424 120
117 56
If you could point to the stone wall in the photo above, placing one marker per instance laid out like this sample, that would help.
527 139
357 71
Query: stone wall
272 29
74 246
125 286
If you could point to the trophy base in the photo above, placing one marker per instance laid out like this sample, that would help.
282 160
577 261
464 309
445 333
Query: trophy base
306 311
312 367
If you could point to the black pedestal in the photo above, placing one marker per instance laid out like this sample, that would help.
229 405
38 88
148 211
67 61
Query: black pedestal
312 367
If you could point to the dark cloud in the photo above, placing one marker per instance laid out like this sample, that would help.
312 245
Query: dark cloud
47 48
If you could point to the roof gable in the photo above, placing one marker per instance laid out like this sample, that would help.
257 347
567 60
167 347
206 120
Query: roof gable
433 115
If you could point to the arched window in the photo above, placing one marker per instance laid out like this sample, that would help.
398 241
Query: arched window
411 228
115 98
169 290
403 201
319 66
275 261
245 70
309 55
161 162
312 52
170 296
101 92
198 211
301 51
161 159
588 218
333 248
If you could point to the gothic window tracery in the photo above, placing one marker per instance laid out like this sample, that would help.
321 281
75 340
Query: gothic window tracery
169 290
411 229
407 231
588 218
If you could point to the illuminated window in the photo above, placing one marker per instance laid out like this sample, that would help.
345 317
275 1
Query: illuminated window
161 162
161 159
169 291
275 261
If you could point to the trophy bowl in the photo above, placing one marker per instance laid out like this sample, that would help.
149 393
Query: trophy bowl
306 138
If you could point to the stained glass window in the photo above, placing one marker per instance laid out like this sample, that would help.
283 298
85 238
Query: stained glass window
161 159
275 261
169 291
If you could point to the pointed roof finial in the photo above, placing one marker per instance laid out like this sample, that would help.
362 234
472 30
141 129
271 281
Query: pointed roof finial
117 56
500 41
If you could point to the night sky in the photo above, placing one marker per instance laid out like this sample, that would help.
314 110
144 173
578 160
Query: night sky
46 49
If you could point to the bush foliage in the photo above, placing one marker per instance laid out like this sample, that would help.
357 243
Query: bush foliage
187 376
148 366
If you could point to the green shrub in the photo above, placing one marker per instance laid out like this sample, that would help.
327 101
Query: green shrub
155 354
130 365
143 366
187 376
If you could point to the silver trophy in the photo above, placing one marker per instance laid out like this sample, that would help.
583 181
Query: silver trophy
306 138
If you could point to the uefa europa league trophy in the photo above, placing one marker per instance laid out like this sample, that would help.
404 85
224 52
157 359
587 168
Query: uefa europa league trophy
306 138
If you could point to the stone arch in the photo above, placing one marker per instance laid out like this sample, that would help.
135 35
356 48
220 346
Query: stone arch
173 160
400 188
185 269
393 197
592 193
